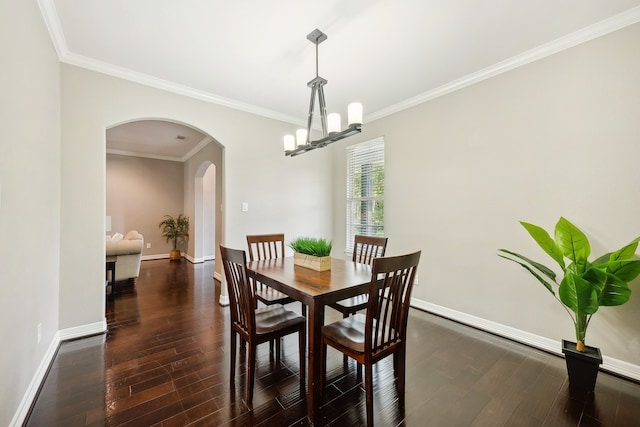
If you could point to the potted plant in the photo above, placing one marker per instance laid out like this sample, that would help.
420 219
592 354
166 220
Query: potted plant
312 253
582 288
174 229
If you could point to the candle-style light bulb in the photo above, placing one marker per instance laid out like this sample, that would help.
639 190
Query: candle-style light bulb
355 113
333 123
289 143
301 137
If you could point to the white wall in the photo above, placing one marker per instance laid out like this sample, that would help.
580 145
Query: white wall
292 195
29 202
558 137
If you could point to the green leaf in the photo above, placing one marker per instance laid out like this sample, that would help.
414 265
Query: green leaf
578 295
540 267
530 270
572 242
615 292
545 242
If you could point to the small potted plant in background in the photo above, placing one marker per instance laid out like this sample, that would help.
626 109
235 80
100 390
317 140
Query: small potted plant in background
312 253
583 287
174 230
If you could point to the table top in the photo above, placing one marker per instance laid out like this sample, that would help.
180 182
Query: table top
344 279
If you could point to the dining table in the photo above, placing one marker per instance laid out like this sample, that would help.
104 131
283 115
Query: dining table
315 289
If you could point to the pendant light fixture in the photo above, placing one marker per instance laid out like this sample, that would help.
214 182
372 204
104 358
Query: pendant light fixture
331 124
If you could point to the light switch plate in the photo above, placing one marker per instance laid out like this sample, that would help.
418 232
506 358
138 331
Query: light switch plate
245 207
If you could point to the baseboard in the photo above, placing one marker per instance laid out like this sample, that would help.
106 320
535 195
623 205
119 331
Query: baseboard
188 257
83 330
34 386
614 366
38 378
155 256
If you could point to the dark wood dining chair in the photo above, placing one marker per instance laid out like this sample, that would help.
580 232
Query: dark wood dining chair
268 246
365 249
256 325
382 331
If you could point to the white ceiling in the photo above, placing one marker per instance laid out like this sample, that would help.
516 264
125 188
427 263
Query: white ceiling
254 55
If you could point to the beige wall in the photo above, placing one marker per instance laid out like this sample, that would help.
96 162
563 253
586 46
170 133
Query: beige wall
29 203
291 195
557 137
140 191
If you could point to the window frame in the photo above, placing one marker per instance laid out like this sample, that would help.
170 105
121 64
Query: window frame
368 152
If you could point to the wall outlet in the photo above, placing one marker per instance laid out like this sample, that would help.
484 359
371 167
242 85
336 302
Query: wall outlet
148 245
39 332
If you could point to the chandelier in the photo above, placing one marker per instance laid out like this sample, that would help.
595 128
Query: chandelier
331 125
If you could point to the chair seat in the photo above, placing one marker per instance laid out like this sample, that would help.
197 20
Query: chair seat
349 333
351 305
275 317
268 296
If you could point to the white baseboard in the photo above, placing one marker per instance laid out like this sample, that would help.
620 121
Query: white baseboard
38 378
609 364
83 330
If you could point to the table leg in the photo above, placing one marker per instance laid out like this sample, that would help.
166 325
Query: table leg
315 320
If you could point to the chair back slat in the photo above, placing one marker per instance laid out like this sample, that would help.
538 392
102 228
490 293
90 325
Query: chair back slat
366 248
242 299
265 246
392 281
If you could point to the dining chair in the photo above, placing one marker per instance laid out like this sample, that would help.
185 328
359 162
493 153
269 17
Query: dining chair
256 325
381 332
365 249
263 247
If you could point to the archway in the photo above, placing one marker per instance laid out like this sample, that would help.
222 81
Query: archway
205 212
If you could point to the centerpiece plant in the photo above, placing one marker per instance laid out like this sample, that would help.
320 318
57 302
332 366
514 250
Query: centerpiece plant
311 252
311 246
584 285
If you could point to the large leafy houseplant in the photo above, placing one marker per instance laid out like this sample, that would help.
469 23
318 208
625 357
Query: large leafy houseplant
174 229
584 285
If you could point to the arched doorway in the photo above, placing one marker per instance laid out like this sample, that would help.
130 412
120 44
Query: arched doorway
205 212
174 168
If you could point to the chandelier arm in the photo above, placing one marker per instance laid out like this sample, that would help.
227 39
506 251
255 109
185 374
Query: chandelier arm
323 110
312 104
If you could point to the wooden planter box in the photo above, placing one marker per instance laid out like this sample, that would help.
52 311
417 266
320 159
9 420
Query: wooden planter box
312 262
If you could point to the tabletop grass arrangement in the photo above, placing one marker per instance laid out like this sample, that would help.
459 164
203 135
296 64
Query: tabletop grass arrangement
311 252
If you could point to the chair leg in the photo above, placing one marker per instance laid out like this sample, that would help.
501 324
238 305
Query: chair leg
278 348
251 374
232 354
303 310
302 345
402 359
323 371
368 385
345 359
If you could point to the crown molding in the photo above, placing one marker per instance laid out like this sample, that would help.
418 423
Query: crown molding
584 35
49 13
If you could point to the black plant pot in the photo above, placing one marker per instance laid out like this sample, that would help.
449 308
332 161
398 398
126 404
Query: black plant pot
582 367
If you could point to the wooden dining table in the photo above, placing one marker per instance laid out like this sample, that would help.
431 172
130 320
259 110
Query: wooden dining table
315 289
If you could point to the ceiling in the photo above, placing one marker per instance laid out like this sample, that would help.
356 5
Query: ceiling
254 55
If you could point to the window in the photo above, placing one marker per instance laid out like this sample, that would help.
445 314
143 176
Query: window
365 190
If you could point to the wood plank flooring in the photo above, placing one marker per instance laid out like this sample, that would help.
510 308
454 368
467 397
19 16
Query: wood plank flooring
165 362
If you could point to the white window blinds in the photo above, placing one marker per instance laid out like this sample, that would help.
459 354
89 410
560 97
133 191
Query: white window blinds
365 190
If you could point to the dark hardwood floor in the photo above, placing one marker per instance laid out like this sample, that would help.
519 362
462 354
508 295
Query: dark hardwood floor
165 362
